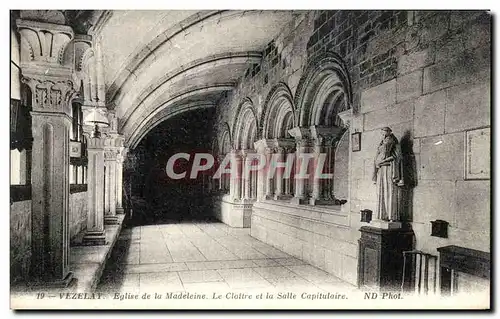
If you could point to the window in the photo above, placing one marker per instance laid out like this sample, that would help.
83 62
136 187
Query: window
21 141
78 159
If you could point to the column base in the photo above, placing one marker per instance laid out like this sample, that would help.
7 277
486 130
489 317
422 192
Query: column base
269 197
94 239
317 201
110 220
299 201
120 210
282 197
247 201
54 283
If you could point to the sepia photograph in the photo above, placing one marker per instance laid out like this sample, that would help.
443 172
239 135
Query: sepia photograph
250 159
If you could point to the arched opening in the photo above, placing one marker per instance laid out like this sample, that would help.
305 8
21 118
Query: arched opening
225 149
245 130
158 197
278 120
323 97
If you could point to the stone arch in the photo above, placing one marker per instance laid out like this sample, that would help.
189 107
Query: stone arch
225 144
278 115
245 126
323 92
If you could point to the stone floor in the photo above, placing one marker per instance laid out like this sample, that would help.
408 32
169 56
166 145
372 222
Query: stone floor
201 256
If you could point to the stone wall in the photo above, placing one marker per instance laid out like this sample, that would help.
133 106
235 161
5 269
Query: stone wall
424 74
20 240
77 213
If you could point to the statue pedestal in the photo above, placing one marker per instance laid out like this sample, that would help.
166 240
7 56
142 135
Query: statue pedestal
380 260
383 224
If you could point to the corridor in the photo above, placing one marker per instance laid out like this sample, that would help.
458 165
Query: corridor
206 257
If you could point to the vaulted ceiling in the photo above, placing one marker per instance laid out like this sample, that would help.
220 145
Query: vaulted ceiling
160 63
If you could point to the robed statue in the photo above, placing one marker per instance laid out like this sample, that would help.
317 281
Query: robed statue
388 177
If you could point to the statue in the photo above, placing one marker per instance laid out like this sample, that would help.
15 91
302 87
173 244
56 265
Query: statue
388 177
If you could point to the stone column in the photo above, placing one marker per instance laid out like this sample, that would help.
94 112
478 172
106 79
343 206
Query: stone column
269 180
289 179
48 75
278 191
347 119
247 181
110 217
94 234
235 180
119 180
261 147
301 136
323 144
317 183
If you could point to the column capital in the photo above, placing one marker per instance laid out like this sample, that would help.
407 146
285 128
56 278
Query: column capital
300 132
246 152
43 44
326 135
284 142
122 154
263 144
49 94
110 154
95 143
346 117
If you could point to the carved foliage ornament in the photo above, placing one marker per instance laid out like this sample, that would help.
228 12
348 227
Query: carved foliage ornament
110 154
43 42
50 95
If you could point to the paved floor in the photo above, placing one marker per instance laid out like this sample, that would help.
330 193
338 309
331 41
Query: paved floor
202 256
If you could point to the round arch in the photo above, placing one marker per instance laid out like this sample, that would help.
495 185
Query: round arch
278 115
225 143
323 91
245 126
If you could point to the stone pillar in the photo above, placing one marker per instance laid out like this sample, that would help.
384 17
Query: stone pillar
347 119
119 181
94 234
261 179
110 217
282 145
278 191
289 179
48 75
247 181
262 149
235 180
269 180
317 183
301 136
324 138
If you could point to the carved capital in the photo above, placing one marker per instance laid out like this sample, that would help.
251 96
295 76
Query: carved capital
95 143
302 142
279 149
83 50
49 95
326 135
43 42
110 155
346 117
